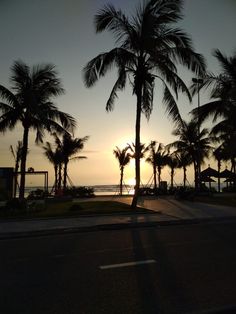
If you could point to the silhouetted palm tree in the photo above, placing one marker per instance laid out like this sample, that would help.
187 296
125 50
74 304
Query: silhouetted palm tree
30 103
223 92
16 153
218 154
69 148
151 159
148 48
173 163
223 104
55 157
123 158
195 145
158 158
185 160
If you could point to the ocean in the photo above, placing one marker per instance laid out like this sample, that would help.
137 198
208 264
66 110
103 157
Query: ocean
108 189
111 189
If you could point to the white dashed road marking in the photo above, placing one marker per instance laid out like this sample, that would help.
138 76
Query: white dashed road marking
149 261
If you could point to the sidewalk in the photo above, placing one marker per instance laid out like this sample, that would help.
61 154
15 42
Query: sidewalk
165 211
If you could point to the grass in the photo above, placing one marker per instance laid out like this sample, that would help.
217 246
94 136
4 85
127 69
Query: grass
69 209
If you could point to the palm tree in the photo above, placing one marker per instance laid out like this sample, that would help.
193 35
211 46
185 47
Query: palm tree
30 103
185 160
228 147
151 159
123 158
158 158
218 154
17 153
69 148
192 143
55 157
223 104
223 92
161 158
173 163
148 48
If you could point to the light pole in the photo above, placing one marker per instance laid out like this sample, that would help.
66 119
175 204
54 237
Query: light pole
198 82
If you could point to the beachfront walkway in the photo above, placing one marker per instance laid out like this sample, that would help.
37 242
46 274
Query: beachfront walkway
165 209
167 205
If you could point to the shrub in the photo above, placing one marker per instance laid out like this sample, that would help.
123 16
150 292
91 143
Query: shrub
37 194
81 191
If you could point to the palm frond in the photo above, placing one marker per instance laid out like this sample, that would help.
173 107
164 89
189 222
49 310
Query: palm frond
171 106
188 57
119 85
8 96
113 20
20 75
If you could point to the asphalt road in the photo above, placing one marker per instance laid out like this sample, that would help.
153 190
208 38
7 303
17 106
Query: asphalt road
180 269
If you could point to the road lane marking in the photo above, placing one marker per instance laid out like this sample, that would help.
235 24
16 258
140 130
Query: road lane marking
120 265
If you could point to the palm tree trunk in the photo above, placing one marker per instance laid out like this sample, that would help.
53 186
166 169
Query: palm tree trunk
195 174
218 164
59 176
56 179
185 176
159 177
155 176
65 176
172 178
137 147
121 179
16 178
23 163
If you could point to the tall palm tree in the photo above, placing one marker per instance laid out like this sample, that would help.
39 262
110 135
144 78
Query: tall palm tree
223 105
223 92
30 103
148 48
123 158
197 145
69 148
17 154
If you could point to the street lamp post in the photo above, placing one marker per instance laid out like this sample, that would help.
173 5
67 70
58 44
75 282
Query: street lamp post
198 82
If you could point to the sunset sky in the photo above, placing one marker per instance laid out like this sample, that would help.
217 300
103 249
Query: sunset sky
62 32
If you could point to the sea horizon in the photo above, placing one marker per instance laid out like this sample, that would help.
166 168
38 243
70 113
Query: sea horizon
111 189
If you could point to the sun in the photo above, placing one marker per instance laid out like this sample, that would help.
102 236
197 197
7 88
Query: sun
131 181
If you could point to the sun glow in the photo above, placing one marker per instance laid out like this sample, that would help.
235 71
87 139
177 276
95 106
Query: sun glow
131 181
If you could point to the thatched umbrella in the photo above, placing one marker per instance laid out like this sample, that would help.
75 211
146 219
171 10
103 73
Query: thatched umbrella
209 172
227 174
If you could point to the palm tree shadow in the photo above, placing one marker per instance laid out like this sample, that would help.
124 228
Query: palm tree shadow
160 288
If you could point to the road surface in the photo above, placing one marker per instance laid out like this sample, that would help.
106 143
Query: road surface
171 269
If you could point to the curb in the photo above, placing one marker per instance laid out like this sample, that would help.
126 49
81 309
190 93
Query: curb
119 226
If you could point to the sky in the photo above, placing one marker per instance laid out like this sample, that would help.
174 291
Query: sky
62 32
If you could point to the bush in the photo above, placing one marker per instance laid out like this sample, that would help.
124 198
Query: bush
81 191
37 194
